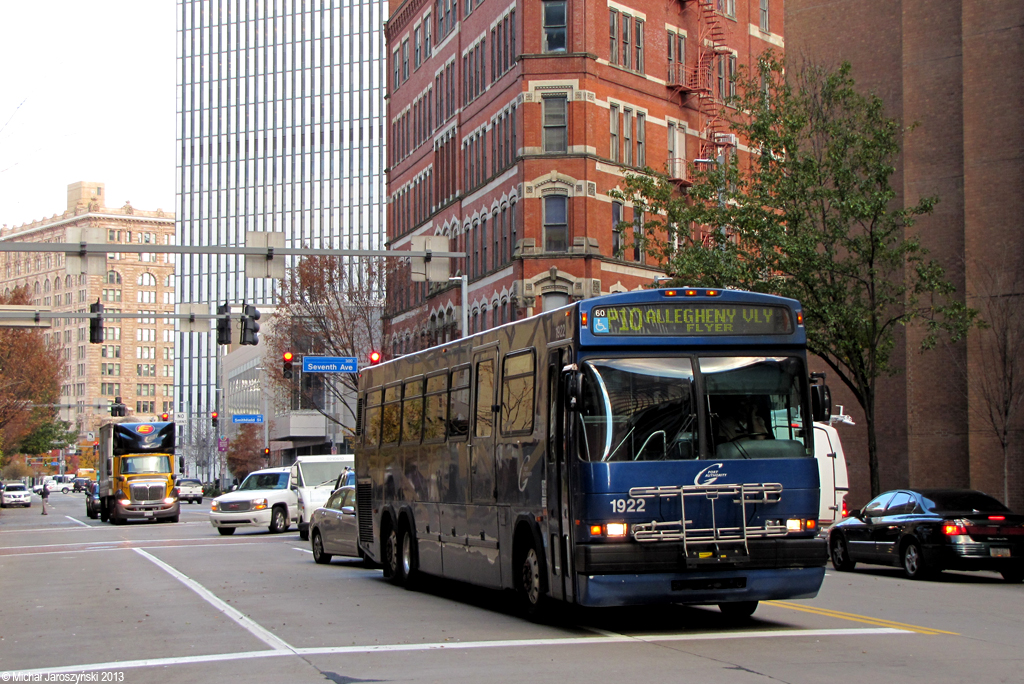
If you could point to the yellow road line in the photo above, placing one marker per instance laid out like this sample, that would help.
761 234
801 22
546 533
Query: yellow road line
853 617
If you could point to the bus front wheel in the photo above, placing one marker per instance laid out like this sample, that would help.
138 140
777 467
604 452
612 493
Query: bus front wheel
393 570
529 585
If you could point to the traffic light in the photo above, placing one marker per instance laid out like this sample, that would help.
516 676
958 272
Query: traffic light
266 452
224 324
96 323
213 418
375 358
287 369
249 325
164 417
117 409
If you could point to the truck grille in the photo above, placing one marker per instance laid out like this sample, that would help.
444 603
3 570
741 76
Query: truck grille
147 492
235 505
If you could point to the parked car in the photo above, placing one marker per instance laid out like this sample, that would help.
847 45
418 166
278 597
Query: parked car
15 494
333 529
92 500
930 530
190 490
264 499
313 479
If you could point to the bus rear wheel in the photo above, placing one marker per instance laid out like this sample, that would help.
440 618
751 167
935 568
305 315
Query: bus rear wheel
392 557
407 559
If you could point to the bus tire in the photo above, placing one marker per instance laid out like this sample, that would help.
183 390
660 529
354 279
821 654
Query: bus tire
104 512
738 610
408 558
392 559
529 582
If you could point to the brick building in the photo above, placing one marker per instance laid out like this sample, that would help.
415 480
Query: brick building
510 122
136 359
931 61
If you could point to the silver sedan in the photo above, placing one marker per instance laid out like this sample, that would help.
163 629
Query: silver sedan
333 529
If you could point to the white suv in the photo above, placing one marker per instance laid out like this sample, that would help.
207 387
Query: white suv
264 499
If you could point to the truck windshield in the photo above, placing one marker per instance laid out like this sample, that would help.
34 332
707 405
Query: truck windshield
265 481
320 473
637 410
134 465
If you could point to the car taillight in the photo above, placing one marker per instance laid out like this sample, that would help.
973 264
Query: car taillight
952 528
846 510
997 517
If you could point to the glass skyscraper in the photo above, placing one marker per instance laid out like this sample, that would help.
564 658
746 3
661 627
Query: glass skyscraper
280 128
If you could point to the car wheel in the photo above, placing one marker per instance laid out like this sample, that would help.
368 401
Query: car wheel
914 566
738 610
199 501
173 520
318 550
841 555
278 520
528 584
64 490
1013 576
304 534
408 559
104 513
226 531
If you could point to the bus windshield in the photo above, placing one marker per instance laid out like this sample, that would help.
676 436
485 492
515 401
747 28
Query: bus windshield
638 410
645 409
754 406
134 465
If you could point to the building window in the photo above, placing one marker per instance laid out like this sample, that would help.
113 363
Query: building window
556 124
727 7
627 132
397 70
613 37
721 77
405 60
641 135
613 121
418 39
638 236
554 25
627 25
616 229
556 223
764 16
426 37
639 45
732 76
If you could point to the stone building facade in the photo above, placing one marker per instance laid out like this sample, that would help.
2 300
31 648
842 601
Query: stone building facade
510 123
136 359
931 61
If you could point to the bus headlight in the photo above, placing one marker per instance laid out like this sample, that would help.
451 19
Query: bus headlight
610 530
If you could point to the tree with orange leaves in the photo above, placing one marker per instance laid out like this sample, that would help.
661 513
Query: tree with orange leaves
245 453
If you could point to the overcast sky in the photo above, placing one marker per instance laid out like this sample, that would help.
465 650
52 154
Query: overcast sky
87 93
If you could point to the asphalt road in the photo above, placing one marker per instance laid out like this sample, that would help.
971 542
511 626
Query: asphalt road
164 602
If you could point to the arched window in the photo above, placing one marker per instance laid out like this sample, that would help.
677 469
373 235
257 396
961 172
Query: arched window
147 279
67 282
113 278
56 284
35 287
46 286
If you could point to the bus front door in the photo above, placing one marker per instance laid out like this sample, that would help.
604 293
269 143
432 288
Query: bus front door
560 573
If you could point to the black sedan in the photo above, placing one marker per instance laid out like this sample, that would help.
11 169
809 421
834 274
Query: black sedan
92 500
930 530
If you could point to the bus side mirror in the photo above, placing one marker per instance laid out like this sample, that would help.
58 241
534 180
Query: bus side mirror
821 398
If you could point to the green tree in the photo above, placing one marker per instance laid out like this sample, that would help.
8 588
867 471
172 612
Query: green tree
245 452
48 435
810 214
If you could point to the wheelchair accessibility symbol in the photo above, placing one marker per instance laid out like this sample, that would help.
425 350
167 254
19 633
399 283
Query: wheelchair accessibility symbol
601 325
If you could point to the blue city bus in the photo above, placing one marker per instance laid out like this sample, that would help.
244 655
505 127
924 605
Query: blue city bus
636 448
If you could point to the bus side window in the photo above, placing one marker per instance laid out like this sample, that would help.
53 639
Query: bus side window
484 397
392 415
517 384
458 421
436 408
412 412
371 426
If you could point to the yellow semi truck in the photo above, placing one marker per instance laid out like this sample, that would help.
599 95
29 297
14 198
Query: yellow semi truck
136 472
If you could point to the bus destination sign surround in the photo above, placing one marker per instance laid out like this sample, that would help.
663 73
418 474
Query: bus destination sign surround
691 319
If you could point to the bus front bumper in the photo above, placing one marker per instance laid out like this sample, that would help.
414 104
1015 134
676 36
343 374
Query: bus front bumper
722 586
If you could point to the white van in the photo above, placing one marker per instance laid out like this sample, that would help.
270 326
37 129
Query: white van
313 480
828 451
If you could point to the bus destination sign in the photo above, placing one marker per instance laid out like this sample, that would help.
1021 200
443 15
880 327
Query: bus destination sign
691 319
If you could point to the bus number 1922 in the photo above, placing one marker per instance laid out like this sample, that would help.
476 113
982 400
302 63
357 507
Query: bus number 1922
629 505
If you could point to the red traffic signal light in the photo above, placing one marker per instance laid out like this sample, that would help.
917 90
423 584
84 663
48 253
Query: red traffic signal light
375 357
213 418
286 370
288 356
266 452
164 417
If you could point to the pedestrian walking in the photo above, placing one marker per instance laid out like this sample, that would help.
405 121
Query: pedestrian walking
45 495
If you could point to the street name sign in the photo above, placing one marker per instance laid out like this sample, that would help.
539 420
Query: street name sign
256 418
330 364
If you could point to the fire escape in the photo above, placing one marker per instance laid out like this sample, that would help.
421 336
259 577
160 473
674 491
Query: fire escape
698 80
